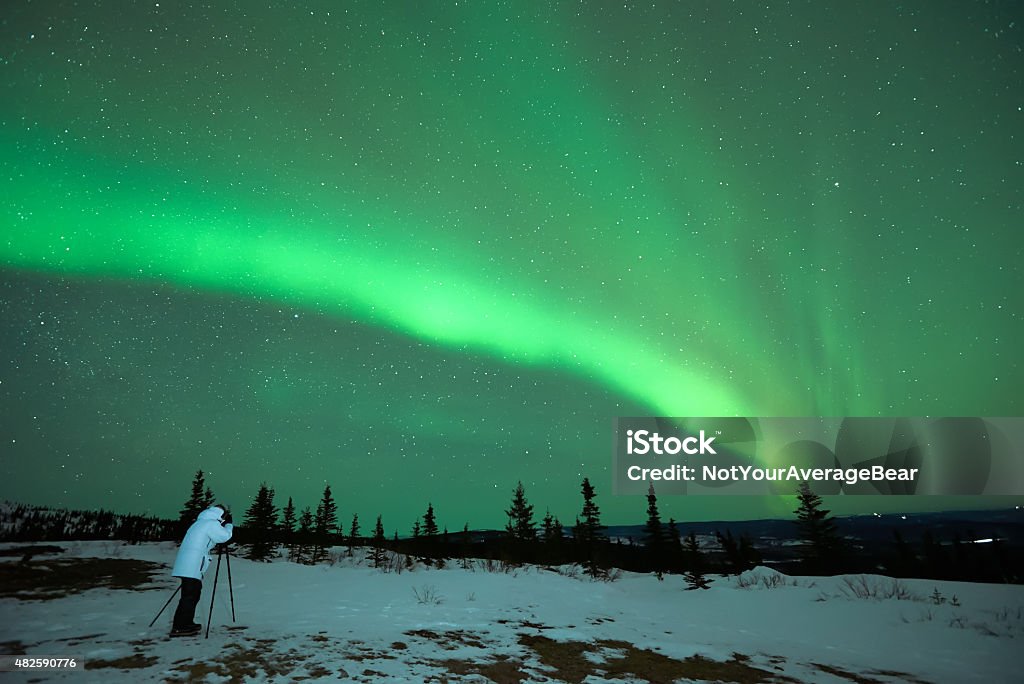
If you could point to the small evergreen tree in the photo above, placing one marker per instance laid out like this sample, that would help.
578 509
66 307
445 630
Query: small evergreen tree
198 502
303 549
465 545
353 530
325 525
547 527
694 576
416 529
521 527
822 543
654 534
552 537
429 522
557 532
377 556
589 531
288 522
260 524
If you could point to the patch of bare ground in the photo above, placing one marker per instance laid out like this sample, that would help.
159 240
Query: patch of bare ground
449 640
901 676
13 648
132 662
865 679
238 662
44 580
568 661
501 669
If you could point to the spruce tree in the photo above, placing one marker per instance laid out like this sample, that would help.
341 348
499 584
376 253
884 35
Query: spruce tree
325 525
547 527
302 550
694 576
552 537
465 545
260 524
198 502
817 529
521 527
429 522
377 556
288 522
654 533
416 529
353 530
589 531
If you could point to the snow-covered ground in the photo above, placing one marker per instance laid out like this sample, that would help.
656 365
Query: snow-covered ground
348 622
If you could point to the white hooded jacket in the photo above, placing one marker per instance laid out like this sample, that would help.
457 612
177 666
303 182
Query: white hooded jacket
194 554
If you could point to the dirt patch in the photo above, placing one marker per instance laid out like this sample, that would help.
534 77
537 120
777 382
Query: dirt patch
132 662
533 625
364 653
902 676
566 658
501 670
450 640
864 679
237 662
843 674
570 662
45 580
315 672
13 648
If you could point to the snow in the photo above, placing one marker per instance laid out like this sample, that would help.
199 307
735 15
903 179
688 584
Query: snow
347 621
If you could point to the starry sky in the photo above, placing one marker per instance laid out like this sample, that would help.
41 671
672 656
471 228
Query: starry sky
420 251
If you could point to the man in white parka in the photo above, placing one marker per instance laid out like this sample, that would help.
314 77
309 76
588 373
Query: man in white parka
212 527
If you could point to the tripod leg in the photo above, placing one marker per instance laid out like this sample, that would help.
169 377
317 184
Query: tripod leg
231 589
165 606
213 595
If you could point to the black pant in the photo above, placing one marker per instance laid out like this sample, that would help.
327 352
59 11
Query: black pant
185 615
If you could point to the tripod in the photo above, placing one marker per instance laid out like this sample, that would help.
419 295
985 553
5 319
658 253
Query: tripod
222 551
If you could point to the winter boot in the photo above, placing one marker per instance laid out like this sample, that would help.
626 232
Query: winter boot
191 630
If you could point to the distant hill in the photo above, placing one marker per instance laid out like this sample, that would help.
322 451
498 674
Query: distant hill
24 522
1006 525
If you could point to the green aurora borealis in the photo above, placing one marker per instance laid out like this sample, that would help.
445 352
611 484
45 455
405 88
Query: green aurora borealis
423 251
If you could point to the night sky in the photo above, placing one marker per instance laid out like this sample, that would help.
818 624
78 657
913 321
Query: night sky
421 251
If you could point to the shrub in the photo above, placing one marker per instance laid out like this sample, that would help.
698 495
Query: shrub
427 595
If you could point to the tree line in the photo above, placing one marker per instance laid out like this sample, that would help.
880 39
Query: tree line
309 534
662 548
